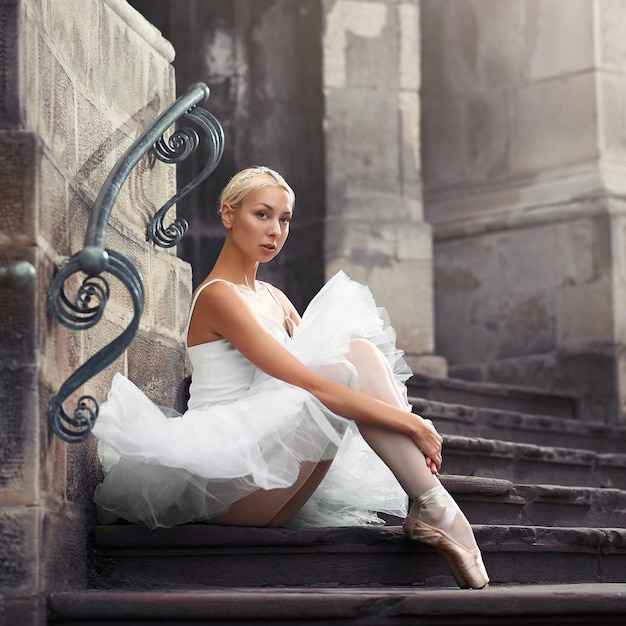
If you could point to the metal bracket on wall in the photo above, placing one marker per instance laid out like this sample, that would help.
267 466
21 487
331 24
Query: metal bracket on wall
19 275
85 308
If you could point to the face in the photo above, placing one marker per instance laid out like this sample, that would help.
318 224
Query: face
259 228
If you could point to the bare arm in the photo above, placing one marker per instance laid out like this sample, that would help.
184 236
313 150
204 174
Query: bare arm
223 312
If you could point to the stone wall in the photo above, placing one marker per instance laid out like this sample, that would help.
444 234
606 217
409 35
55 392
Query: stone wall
79 80
523 145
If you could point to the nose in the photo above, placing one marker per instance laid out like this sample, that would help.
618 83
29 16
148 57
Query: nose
274 228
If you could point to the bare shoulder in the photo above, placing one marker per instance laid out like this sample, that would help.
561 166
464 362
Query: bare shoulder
216 301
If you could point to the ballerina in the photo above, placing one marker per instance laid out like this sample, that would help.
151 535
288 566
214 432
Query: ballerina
281 407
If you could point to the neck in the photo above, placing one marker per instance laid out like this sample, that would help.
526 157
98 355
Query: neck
232 267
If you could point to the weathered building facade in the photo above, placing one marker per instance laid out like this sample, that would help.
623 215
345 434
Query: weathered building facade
66 115
462 157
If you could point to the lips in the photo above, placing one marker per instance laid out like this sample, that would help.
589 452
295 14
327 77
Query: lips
269 247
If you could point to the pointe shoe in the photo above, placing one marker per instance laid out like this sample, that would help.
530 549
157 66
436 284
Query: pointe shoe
466 566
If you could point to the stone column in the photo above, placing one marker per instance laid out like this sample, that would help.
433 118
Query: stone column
79 80
524 153
375 228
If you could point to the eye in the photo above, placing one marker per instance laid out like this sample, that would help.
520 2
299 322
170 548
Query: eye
261 214
285 220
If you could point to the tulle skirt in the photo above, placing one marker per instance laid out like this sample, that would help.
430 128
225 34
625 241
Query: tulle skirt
165 470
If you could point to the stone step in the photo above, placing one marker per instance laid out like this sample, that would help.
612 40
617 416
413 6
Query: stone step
585 604
532 464
196 555
489 423
493 396
496 501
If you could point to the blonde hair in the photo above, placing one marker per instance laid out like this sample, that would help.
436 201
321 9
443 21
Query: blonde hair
249 179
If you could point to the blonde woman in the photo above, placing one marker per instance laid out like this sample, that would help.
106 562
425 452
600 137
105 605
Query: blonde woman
290 420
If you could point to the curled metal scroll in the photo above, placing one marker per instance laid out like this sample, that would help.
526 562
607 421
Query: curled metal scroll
81 312
85 308
175 149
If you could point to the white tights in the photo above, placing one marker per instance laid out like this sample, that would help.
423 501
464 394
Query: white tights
434 504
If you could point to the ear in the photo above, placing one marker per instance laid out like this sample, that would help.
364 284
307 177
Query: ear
227 214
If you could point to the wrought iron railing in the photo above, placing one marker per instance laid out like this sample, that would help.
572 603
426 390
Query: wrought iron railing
85 308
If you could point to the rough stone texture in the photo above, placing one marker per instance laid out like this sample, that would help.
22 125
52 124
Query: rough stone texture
134 558
80 81
522 118
585 604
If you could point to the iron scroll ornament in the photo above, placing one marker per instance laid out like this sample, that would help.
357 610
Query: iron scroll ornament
85 308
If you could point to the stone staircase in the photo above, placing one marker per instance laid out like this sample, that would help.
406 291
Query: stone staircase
546 494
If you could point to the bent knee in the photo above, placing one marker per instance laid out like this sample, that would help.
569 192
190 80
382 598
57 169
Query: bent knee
362 349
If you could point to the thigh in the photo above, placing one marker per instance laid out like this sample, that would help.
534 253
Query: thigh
262 507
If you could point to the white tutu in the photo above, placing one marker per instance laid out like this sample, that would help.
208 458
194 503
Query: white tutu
165 470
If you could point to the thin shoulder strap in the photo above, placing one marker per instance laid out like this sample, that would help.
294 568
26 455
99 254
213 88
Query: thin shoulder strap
289 325
278 302
195 299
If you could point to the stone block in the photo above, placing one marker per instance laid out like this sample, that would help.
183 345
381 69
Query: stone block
409 63
83 474
585 314
611 45
162 282
572 51
19 565
19 322
411 180
60 349
30 43
463 45
64 560
361 146
9 72
362 243
183 297
127 58
357 36
52 482
40 8
139 254
27 610
148 187
157 367
18 183
554 123
612 125
94 340
526 323
411 313
57 107
97 148
78 210
415 242
18 435
75 26
520 261
52 199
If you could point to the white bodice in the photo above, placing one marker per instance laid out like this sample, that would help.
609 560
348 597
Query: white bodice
221 374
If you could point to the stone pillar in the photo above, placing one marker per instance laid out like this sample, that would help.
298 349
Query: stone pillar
375 228
79 80
524 153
